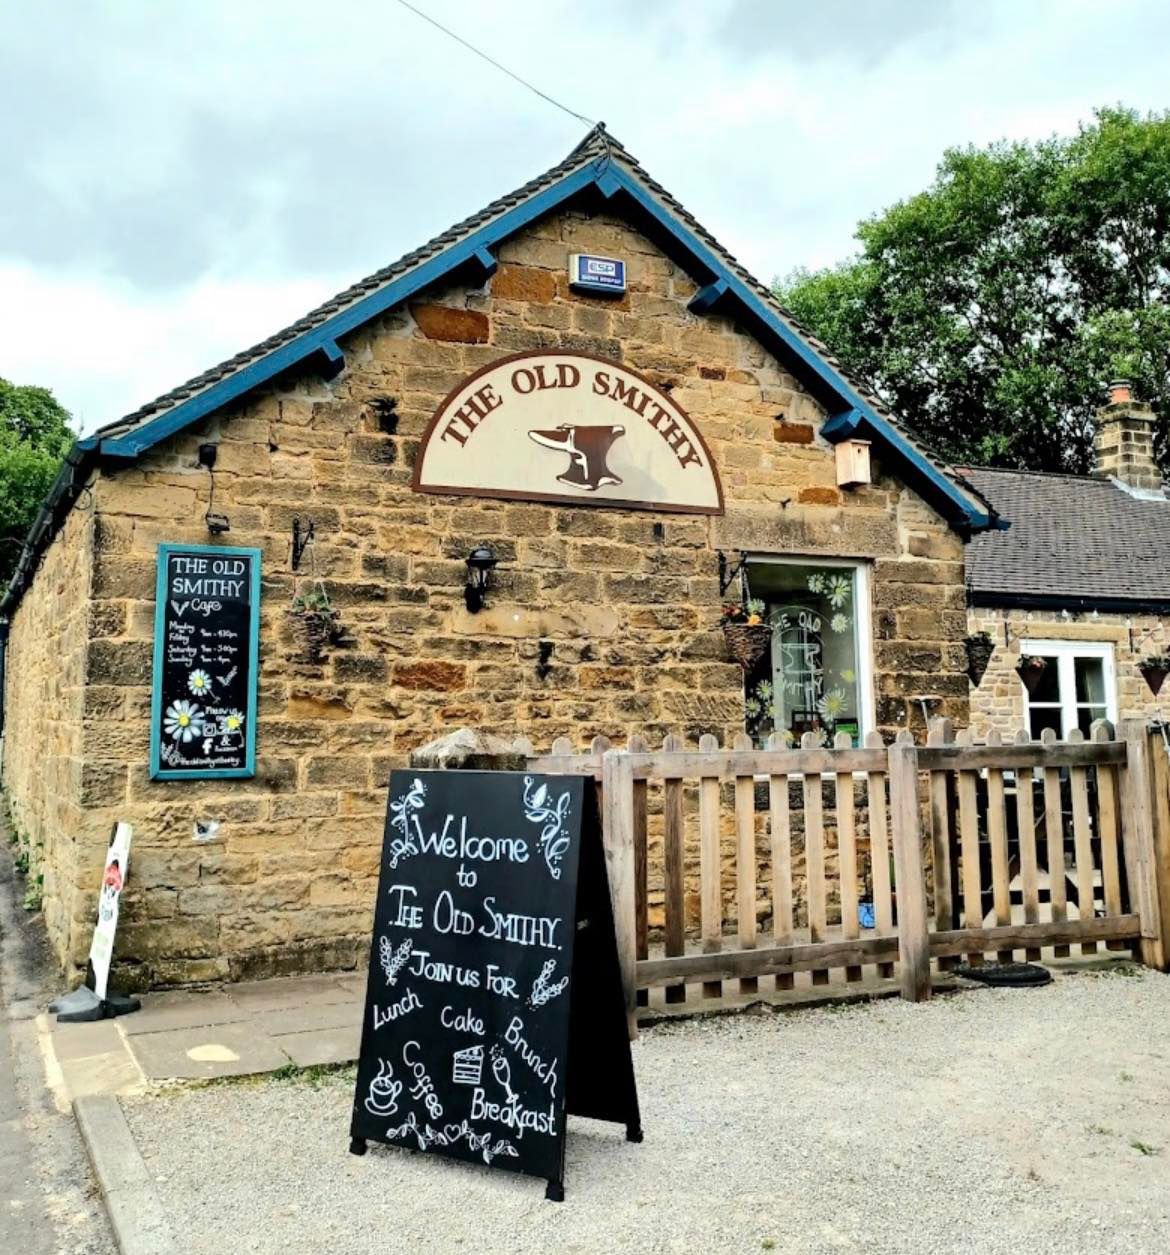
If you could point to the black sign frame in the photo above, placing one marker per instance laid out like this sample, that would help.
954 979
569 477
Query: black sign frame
237 683
513 1017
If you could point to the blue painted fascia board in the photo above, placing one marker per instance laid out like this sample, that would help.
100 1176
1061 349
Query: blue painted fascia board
959 508
610 179
474 247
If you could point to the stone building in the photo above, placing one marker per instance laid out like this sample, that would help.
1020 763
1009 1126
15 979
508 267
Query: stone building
1080 579
577 383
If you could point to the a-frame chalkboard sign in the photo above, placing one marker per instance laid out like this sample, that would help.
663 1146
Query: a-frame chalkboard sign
494 1005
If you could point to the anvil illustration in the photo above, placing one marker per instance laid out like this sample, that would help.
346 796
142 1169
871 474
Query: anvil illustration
587 448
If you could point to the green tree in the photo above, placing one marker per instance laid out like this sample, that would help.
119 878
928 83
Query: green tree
991 310
34 437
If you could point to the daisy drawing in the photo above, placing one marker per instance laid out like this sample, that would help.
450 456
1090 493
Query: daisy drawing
183 721
199 682
840 622
233 721
832 705
839 588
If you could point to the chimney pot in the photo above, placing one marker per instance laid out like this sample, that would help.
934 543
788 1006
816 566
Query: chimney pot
1120 392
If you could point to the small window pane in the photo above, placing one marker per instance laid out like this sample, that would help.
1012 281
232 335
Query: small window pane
1048 685
1087 716
1044 717
1090 674
810 680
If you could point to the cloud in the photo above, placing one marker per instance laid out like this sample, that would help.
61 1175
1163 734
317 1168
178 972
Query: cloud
860 31
105 346
182 176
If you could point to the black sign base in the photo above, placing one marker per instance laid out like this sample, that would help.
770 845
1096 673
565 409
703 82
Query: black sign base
494 1006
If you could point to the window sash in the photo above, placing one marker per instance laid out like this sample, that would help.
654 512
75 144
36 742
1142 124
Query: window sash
1066 654
862 622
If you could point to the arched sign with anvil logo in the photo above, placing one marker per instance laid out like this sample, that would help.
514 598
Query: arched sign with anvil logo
552 426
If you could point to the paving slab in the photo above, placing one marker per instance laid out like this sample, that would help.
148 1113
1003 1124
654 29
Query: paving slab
167 1011
323 1047
295 991
115 1072
305 1019
206 1051
82 1041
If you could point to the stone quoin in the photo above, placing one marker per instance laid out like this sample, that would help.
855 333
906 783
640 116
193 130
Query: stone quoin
607 448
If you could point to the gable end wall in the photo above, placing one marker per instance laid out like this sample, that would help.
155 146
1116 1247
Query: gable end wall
629 600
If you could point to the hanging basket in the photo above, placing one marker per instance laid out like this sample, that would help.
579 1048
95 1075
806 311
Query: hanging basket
316 629
1031 672
1154 675
979 647
746 642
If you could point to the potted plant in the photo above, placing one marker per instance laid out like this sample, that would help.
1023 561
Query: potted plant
1154 671
313 616
1031 670
745 632
980 647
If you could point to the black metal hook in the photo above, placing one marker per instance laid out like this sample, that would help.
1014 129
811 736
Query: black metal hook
300 541
727 576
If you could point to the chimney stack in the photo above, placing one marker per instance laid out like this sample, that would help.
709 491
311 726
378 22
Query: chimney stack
1123 444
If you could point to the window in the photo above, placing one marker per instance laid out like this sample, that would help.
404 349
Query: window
816 675
1075 688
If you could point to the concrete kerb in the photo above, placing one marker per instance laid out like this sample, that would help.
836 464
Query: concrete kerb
136 1214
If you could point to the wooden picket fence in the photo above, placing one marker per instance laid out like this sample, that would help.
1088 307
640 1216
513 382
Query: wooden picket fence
960 851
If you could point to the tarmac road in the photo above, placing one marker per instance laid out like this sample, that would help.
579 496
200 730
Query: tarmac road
49 1202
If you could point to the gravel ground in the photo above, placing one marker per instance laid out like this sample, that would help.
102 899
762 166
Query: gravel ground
991 1121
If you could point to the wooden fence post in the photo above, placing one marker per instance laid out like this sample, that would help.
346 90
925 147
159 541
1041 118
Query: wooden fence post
638 745
617 777
1138 834
1160 778
906 831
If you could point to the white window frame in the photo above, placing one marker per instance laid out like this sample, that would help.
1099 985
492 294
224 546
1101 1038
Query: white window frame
1066 652
862 620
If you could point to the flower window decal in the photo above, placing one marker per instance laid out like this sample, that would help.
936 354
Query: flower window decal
838 589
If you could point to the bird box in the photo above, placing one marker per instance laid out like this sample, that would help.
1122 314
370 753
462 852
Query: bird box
853 463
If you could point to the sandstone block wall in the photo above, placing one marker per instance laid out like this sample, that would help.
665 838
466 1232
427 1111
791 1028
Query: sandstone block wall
628 601
47 779
999 701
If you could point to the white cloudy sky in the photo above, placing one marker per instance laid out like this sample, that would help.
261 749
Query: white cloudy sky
178 180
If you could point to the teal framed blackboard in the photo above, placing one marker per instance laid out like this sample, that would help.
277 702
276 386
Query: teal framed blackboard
206 662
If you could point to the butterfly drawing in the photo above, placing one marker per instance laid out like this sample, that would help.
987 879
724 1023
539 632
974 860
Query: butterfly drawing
227 679
178 607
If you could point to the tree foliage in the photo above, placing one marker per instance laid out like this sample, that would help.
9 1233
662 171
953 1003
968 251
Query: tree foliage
34 437
991 310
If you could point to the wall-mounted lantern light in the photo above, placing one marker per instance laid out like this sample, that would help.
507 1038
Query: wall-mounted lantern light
480 562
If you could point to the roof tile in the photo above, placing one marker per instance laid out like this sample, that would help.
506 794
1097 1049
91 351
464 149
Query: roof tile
1072 536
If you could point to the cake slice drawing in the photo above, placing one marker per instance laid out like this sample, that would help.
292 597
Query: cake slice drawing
467 1068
